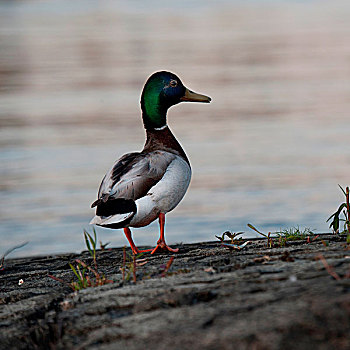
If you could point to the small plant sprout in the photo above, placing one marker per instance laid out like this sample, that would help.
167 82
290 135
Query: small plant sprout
83 279
103 246
232 236
81 270
91 244
270 243
330 269
283 236
310 240
294 234
8 251
130 264
234 244
344 209
167 266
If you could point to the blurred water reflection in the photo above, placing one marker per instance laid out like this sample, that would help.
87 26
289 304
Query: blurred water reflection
270 149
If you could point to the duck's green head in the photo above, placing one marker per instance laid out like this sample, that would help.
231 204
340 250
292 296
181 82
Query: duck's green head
161 91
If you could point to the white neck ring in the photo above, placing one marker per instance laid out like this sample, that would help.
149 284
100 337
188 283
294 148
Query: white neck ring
162 127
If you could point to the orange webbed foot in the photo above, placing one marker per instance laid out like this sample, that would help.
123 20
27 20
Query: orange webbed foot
163 246
138 251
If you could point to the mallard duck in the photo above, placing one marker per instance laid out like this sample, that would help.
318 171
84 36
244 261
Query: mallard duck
143 186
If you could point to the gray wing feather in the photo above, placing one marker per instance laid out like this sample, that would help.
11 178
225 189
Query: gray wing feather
134 174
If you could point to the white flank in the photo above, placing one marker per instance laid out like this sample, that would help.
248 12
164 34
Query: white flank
113 219
169 191
166 194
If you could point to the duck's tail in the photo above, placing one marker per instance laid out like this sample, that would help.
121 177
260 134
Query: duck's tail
113 212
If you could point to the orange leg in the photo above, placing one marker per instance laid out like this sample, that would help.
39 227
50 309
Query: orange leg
161 241
134 249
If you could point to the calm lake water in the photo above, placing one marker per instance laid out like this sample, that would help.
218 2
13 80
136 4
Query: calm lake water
269 150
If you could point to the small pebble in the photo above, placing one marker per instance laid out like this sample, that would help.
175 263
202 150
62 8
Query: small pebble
293 278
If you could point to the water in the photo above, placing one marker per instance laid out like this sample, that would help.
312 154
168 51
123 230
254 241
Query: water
269 150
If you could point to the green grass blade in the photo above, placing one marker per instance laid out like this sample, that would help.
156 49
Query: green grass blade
91 241
75 271
331 216
342 190
86 236
95 237
220 238
342 206
256 230
335 223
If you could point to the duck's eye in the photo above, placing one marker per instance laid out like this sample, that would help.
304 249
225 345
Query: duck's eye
173 83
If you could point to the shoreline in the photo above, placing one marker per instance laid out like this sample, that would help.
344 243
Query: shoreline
210 297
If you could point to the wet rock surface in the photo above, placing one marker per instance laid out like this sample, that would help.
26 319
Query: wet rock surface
210 298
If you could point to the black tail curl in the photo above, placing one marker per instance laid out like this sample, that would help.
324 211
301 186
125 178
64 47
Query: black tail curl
111 206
